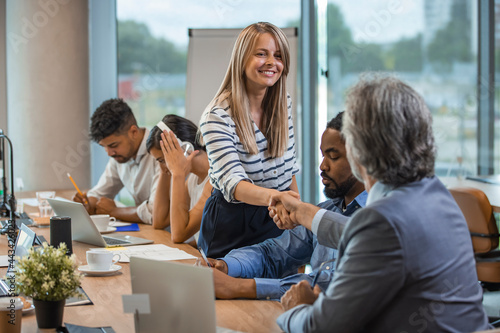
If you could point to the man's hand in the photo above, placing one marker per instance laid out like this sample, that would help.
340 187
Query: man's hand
281 216
84 200
217 264
301 293
298 212
282 209
105 206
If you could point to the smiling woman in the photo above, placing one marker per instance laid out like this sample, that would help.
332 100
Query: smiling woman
248 133
264 67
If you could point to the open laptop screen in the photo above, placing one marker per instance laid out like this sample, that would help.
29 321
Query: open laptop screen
24 243
183 299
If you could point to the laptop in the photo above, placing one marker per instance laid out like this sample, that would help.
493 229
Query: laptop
84 230
21 218
183 300
24 243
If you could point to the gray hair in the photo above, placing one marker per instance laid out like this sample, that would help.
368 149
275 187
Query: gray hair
389 130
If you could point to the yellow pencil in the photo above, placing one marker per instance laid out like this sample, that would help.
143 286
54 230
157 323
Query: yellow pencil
77 189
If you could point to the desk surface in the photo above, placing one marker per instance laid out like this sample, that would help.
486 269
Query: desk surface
492 191
105 293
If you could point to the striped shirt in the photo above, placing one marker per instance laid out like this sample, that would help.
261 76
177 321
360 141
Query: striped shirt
230 163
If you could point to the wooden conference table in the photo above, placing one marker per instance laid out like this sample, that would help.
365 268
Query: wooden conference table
105 293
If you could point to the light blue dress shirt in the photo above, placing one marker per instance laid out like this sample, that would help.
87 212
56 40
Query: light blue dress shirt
273 262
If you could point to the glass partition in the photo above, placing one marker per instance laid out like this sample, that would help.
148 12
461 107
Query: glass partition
153 43
431 45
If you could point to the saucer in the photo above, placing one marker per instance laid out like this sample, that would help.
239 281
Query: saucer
87 270
108 230
29 310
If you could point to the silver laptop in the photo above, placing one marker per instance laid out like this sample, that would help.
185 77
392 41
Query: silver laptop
183 300
24 243
84 230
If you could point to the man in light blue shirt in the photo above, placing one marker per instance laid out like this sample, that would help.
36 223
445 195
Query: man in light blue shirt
268 269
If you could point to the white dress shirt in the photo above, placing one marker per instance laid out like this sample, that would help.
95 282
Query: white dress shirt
139 176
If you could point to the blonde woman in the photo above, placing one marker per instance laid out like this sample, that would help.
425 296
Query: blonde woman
248 133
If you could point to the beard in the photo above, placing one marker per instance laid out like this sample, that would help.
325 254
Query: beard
341 189
121 159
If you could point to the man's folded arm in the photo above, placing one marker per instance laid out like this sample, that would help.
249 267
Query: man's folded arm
369 274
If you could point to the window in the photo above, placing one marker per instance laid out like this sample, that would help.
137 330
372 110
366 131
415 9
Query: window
431 45
153 42
497 86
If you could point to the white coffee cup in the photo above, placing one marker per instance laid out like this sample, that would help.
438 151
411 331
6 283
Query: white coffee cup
102 221
101 260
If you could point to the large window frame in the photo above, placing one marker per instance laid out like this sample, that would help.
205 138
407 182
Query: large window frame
309 72
307 121
486 87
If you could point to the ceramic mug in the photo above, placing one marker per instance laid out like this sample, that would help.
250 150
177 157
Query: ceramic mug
101 260
102 221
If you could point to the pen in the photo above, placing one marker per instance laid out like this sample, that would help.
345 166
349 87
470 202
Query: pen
77 189
320 269
204 256
315 279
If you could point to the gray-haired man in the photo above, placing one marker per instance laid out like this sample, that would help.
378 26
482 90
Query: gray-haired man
405 260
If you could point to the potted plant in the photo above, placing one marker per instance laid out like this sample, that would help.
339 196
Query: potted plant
49 276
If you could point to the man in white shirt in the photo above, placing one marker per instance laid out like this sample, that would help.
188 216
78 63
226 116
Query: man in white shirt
114 127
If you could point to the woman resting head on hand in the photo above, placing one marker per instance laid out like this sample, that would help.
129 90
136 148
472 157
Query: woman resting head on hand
183 185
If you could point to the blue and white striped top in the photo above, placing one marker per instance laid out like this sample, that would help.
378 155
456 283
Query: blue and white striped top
230 163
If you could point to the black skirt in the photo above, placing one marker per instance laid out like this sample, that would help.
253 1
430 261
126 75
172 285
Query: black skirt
226 226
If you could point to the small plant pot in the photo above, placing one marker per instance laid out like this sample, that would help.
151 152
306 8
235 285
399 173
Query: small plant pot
49 314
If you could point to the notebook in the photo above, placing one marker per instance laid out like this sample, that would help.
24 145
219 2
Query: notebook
183 300
84 230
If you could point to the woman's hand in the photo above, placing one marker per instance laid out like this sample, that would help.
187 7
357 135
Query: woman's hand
175 160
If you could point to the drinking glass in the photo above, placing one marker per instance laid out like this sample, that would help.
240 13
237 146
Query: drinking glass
44 207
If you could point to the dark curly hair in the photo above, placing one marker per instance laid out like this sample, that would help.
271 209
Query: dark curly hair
113 116
336 122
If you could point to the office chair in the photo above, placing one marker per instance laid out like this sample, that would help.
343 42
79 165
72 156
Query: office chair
483 229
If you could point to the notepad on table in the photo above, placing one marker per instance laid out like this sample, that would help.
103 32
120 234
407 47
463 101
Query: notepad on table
154 251
131 227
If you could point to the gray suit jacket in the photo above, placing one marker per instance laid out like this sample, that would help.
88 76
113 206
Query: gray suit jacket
405 265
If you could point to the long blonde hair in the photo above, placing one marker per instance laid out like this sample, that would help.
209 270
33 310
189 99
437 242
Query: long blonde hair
274 104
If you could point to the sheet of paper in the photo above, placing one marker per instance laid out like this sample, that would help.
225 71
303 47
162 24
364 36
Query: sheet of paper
4 261
119 224
153 251
34 201
30 201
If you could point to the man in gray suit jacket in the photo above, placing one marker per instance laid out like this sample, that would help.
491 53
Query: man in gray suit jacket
405 261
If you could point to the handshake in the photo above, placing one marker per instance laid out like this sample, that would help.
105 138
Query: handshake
287 211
